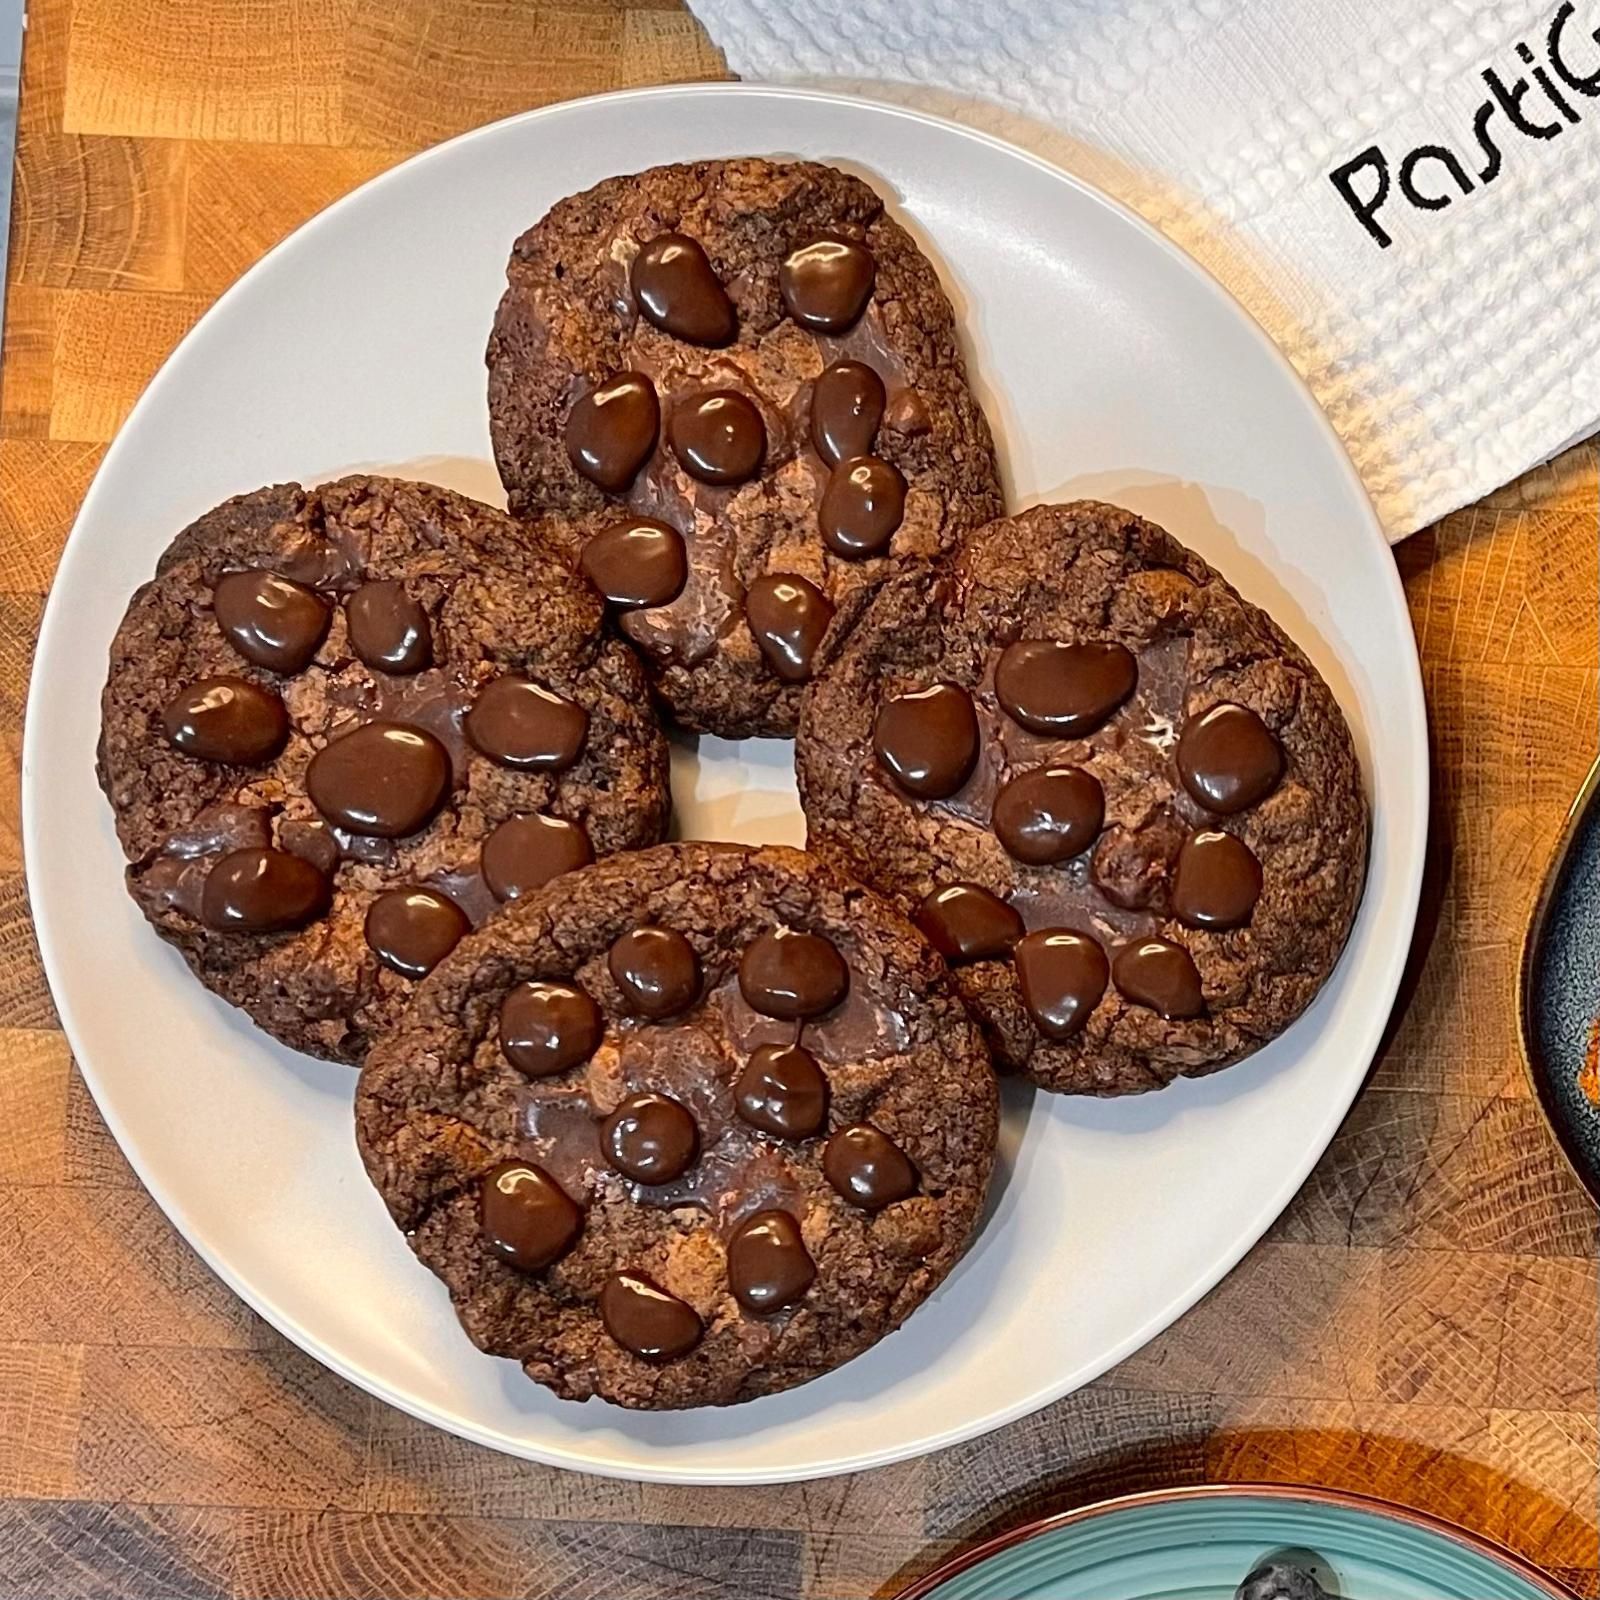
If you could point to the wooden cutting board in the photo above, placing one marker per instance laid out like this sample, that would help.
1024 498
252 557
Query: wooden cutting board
1422 1323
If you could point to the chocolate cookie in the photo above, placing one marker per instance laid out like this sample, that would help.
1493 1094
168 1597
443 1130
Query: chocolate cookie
1115 795
746 375
343 724
694 1125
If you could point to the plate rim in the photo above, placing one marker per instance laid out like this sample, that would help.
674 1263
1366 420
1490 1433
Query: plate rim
926 1587
663 1467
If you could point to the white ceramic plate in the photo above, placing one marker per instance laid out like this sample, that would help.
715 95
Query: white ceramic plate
1110 365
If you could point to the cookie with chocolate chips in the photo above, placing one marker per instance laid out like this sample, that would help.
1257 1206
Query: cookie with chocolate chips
693 1125
1117 796
744 378
343 724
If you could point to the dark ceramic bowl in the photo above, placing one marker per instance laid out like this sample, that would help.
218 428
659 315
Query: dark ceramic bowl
1559 992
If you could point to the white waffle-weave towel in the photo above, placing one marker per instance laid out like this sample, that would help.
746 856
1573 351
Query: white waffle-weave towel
1403 192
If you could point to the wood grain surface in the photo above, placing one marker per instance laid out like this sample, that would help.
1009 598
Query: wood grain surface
1423 1322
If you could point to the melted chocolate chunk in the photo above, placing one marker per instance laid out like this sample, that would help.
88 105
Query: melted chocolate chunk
867 1168
412 930
640 562
847 403
769 1266
1228 759
1049 815
216 829
826 284
679 291
654 1325
1062 975
782 1091
651 1138
789 618
791 975
546 1028
524 725
1217 883
718 437
964 922
657 971
612 430
1064 690
927 740
389 631
1161 976
263 891
526 1217
526 852
383 779
270 620
862 506
226 719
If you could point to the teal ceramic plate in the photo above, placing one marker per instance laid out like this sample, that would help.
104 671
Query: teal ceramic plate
1198 1544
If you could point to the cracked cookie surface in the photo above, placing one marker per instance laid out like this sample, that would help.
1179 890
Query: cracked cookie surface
1117 795
695 1125
743 377
342 724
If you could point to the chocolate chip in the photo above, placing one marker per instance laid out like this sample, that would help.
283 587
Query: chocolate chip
864 503
1228 759
964 922
718 437
657 971
412 930
769 1266
546 1028
826 284
847 403
226 719
651 1138
791 975
526 852
867 1168
788 618
1161 976
522 724
311 838
1131 866
383 779
907 415
1049 815
679 291
645 1319
525 1217
270 620
263 891
782 1091
927 740
1064 690
389 631
1062 975
639 562
612 430
1217 882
